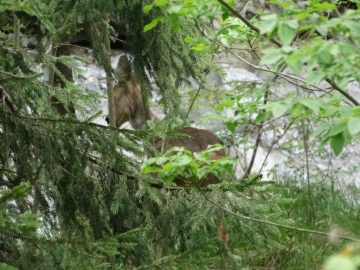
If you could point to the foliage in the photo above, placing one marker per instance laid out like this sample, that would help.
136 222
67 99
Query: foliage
193 167
314 49
335 62
73 199
348 259
96 211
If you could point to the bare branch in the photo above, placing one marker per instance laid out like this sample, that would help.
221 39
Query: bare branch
278 44
244 20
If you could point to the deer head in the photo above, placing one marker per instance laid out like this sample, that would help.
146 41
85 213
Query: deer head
127 98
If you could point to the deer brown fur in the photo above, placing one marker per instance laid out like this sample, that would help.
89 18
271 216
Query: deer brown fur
129 107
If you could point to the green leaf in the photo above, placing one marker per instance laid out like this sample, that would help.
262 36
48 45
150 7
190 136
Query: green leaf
269 17
189 39
337 262
182 161
231 126
347 49
325 57
153 23
168 167
280 110
226 104
161 160
311 104
200 157
342 81
324 6
271 56
175 24
345 111
223 31
322 29
337 143
161 3
150 169
201 172
286 34
296 109
261 116
337 129
322 144
225 13
164 176
216 147
312 62
323 127
287 49
147 8
354 125
148 162
227 164
315 77
295 65
268 26
294 24
199 47
347 136
353 27
174 9
356 111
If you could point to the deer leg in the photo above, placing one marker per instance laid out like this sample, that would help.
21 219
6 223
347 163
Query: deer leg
222 232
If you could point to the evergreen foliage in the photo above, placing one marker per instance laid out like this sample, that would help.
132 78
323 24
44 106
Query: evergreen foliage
96 211
72 198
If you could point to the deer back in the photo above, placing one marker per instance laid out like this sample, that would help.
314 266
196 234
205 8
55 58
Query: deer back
198 141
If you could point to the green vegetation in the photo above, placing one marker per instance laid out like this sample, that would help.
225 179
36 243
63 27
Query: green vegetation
71 198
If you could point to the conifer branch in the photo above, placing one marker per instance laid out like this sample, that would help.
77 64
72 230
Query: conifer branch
278 224
62 120
5 97
99 163
19 236
11 75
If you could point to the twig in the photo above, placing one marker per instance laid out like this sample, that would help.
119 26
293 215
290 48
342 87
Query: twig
244 20
344 93
60 120
272 145
193 101
12 75
260 129
306 148
4 96
258 138
278 224
278 44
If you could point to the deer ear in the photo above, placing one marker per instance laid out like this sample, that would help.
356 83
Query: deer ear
123 69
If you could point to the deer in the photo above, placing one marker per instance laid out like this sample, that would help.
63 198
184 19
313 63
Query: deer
129 107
